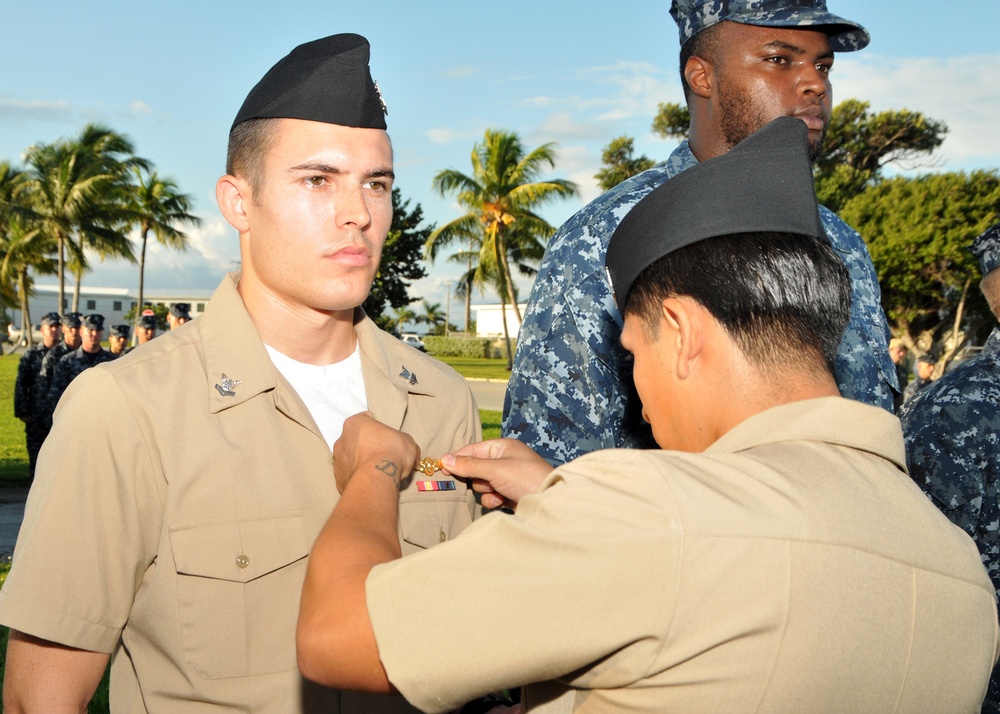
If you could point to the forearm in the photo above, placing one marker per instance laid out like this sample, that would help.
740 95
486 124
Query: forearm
43 676
336 645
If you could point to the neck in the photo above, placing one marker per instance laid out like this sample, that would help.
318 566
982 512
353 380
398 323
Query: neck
306 335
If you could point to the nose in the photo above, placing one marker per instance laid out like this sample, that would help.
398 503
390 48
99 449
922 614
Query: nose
350 209
813 81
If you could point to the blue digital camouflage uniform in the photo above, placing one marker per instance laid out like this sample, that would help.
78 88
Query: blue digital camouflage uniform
952 431
571 389
49 362
26 400
70 366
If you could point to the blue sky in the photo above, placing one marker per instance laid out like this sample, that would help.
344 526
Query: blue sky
172 75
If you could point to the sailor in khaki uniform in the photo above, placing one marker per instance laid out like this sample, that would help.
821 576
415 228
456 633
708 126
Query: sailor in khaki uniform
186 564
773 557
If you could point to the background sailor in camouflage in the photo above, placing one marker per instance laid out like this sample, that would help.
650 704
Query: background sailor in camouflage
70 365
952 431
25 399
70 341
179 313
571 390
118 339
925 370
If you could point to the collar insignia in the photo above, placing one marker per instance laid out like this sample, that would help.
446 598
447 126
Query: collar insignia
409 376
228 385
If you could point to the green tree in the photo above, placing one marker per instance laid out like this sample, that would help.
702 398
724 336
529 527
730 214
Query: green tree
858 145
74 189
500 198
619 163
106 221
401 261
157 206
672 121
919 231
401 315
433 316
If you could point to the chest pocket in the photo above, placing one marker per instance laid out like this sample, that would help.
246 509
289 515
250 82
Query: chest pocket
427 518
238 585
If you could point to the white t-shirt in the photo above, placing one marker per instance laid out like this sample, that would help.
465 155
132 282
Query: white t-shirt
331 392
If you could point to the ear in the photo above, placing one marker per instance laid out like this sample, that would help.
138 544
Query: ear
685 321
233 196
700 76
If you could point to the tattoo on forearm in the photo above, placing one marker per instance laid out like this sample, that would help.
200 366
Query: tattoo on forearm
389 469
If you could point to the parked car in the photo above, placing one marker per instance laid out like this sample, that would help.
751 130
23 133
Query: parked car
15 336
413 340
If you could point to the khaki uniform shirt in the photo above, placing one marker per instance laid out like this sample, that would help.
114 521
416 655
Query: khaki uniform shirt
792 567
176 501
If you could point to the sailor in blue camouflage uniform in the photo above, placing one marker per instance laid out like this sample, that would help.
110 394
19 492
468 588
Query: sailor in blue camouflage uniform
118 340
71 365
571 390
25 399
70 341
952 431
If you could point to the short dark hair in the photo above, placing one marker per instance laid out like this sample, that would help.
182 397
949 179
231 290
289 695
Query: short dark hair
705 44
249 142
784 299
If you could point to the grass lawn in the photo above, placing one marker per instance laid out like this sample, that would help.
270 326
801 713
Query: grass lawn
479 368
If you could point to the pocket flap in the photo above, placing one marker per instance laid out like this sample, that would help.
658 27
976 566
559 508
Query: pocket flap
238 551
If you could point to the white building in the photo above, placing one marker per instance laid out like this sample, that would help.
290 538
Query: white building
113 303
489 320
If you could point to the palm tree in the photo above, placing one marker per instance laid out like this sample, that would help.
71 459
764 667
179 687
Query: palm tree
433 315
159 207
75 188
401 316
500 198
23 247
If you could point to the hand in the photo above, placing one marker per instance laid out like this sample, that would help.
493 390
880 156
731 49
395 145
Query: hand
503 470
366 443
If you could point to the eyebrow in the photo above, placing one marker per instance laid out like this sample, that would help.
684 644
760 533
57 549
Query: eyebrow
320 167
795 49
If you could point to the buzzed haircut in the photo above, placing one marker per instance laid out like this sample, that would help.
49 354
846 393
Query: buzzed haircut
784 299
705 44
249 142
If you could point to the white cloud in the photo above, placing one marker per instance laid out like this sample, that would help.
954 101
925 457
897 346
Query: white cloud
36 110
460 72
140 107
958 91
444 136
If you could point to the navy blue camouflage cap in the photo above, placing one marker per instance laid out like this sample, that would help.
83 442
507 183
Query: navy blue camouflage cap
93 321
763 184
72 319
693 16
326 80
51 318
986 248
148 322
120 331
181 310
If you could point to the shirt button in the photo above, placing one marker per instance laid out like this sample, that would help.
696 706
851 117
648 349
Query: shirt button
242 561
442 537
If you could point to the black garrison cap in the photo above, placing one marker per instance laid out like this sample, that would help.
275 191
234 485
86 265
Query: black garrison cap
51 318
763 184
324 80
94 322
147 322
